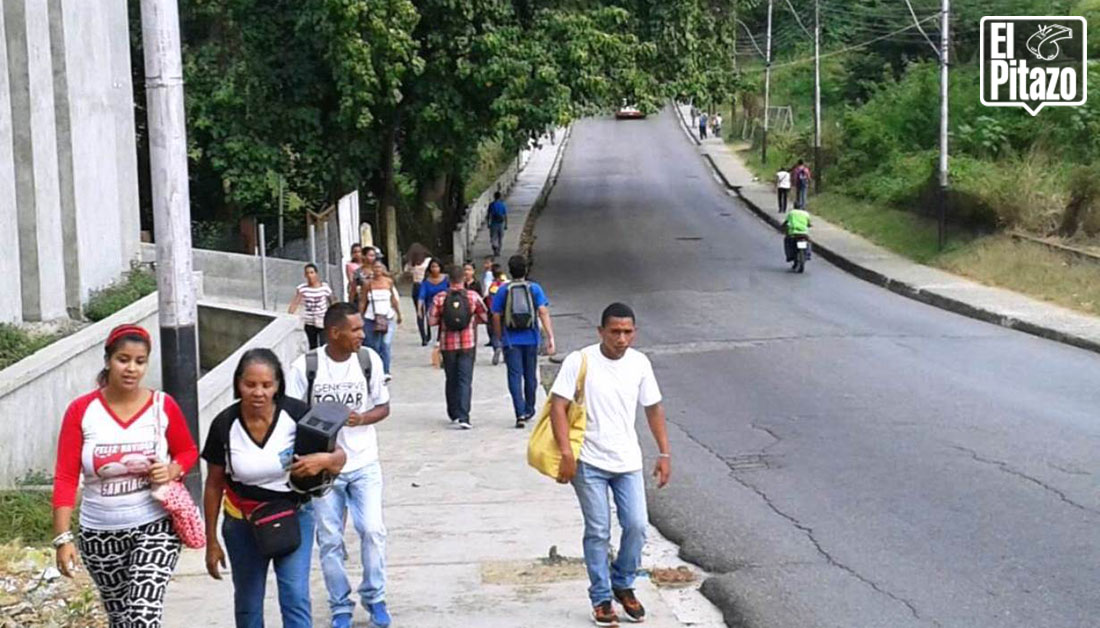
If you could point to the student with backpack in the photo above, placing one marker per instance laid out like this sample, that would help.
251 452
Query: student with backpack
343 371
802 176
518 307
458 312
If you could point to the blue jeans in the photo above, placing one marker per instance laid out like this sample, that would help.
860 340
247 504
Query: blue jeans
800 199
381 343
523 363
591 485
358 493
496 237
458 366
249 571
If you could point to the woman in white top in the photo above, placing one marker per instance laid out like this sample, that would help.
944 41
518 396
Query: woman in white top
381 308
417 260
317 296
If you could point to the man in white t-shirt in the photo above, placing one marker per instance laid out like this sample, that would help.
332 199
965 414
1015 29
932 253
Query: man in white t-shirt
783 188
617 380
341 377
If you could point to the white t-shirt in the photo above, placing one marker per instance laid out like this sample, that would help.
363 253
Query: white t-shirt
783 180
613 389
343 382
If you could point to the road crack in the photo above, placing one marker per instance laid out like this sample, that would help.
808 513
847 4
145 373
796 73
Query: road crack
1006 468
830 560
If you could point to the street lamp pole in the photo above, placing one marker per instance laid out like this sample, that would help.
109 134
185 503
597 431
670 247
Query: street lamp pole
172 213
946 20
767 84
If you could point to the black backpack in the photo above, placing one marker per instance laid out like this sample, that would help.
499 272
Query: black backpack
456 311
519 306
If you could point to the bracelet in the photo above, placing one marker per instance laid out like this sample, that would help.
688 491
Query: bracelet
64 538
664 455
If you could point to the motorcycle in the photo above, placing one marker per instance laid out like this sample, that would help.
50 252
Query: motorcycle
798 252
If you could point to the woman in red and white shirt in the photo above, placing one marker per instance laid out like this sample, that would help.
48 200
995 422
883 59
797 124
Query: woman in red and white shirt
117 439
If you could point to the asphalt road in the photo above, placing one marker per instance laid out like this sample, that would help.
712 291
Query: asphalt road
842 456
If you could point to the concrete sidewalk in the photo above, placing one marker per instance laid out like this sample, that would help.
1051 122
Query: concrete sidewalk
889 270
468 522
522 199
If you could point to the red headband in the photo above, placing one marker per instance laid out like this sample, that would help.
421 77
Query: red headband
128 329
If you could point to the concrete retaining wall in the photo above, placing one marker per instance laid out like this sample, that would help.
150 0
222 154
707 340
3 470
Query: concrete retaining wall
235 277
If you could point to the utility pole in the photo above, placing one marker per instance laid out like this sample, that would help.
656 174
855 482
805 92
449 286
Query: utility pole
282 182
179 346
946 20
817 96
767 84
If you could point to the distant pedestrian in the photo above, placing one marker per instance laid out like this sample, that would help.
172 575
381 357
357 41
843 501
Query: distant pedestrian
249 461
469 278
316 296
518 307
345 372
802 176
381 309
416 264
458 311
702 125
350 270
782 188
487 273
718 125
123 439
498 222
617 379
499 279
434 283
694 113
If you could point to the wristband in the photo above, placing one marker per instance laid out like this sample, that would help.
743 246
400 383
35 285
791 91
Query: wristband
664 455
64 538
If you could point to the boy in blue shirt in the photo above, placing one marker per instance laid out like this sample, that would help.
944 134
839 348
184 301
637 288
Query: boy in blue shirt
517 308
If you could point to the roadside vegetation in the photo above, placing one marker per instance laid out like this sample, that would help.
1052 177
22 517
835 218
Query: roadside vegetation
1009 171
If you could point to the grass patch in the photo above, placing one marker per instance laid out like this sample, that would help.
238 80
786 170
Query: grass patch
1029 268
16 343
134 285
26 516
492 161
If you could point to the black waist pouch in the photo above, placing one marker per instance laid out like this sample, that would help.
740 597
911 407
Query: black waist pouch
275 527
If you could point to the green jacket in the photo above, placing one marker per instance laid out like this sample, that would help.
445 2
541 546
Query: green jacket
798 222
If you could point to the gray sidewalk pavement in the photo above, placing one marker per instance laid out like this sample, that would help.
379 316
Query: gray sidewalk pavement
468 520
525 193
894 272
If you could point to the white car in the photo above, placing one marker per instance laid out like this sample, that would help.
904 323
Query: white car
629 112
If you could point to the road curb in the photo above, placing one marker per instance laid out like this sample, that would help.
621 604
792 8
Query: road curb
904 288
527 238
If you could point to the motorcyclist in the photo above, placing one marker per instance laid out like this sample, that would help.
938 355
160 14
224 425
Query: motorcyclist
797 224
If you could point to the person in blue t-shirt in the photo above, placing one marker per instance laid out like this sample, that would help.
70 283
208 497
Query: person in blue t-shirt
498 222
520 340
434 283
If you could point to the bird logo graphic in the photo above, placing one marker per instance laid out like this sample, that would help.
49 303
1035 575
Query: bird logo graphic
1044 43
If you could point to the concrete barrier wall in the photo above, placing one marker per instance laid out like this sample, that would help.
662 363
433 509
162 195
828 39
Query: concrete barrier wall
223 330
235 277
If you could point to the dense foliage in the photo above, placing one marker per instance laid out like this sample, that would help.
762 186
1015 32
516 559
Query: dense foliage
398 98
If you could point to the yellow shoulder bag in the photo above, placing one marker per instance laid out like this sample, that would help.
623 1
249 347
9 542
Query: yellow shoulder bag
542 450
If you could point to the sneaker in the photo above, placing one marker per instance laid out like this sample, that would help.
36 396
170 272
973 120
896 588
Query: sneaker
379 616
465 425
496 357
603 614
388 378
634 610
343 620
520 424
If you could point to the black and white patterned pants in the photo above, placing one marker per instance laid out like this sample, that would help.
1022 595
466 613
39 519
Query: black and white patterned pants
131 569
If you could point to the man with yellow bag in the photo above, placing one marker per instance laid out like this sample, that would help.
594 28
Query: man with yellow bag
610 379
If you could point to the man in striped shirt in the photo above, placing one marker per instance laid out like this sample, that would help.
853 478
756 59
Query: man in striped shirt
458 312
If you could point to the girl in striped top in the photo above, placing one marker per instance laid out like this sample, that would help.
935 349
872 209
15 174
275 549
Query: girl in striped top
316 296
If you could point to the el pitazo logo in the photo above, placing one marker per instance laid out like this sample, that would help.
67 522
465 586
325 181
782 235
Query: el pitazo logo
1033 62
